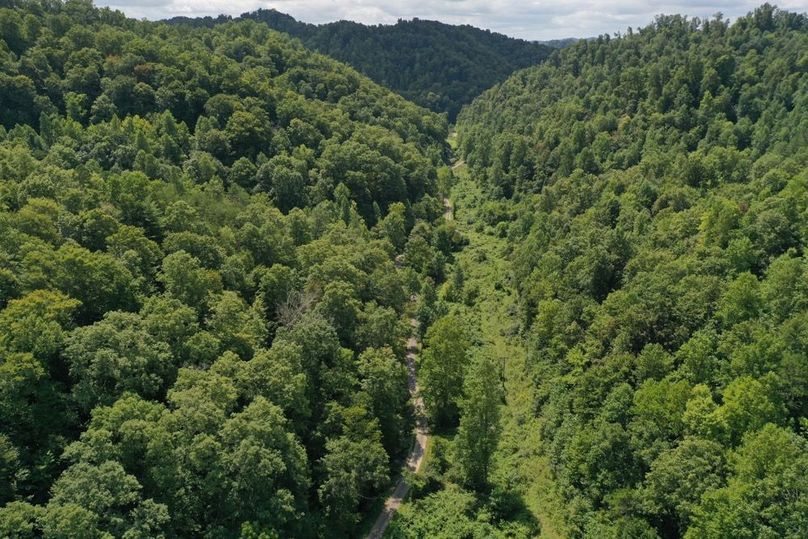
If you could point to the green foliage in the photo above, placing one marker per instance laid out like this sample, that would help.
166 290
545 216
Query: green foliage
384 379
439 66
652 190
766 495
479 429
454 512
106 496
442 367
356 466
448 513
679 477
200 329
116 355
36 323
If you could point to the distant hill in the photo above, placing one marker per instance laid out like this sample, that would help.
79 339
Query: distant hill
560 43
436 65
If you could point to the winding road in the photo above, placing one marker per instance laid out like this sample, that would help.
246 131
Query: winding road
416 456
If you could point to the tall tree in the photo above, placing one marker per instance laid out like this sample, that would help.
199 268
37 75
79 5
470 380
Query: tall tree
479 430
443 365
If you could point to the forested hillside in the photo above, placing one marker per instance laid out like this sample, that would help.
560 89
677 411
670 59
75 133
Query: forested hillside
654 192
213 241
436 65
201 320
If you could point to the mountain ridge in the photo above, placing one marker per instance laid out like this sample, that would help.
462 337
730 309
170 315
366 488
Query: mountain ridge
436 65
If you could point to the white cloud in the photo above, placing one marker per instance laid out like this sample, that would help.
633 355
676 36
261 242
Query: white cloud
529 19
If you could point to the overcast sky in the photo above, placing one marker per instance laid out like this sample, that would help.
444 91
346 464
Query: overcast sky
529 19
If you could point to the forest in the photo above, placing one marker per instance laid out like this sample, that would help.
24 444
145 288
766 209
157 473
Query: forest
200 311
653 190
438 66
218 243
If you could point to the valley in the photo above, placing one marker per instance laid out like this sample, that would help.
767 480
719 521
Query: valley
261 278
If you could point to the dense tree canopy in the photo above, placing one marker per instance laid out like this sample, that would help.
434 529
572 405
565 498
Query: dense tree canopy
439 66
653 188
210 239
200 315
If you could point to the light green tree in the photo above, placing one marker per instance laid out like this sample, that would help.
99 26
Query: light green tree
442 368
479 430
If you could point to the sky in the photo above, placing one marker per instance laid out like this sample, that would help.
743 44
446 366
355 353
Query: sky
528 19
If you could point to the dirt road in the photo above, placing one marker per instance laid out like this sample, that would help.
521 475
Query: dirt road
416 456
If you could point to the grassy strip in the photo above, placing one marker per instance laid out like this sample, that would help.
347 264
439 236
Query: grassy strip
518 465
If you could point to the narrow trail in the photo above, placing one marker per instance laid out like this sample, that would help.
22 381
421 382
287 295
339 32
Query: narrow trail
416 455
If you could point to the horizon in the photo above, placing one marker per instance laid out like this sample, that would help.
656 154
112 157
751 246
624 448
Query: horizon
533 21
